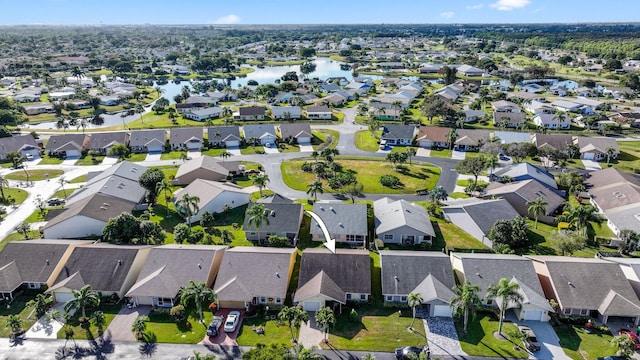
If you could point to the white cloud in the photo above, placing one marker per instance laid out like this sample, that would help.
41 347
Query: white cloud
508 5
447 14
474 7
228 19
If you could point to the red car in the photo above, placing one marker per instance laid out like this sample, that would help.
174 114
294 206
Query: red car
633 337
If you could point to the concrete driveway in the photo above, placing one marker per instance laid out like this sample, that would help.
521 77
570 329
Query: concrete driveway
120 327
70 161
310 333
193 154
271 150
224 338
306 148
234 151
153 156
549 341
458 155
591 165
110 160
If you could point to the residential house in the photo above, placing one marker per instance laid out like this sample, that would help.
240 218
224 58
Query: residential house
35 109
103 142
398 134
250 113
202 114
510 137
286 112
505 106
617 196
169 268
558 142
67 145
207 168
552 121
630 268
345 222
597 148
587 287
525 171
224 136
532 88
471 139
110 100
520 193
537 107
32 264
584 91
401 222
450 93
214 197
618 92
264 134
468 70
186 138
110 269
148 141
22 144
284 220
201 101
321 112
298 132
477 217
566 106
485 270
252 275
333 279
473 115
434 137
509 119
427 273
557 90
335 99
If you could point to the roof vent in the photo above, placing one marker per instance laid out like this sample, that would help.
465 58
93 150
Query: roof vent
340 224
570 284
277 274
199 266
47 261
273 213
105 204
331 208
119 262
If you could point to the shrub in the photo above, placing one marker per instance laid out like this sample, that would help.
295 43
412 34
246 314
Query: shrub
278 241
177 312
353 316
389 181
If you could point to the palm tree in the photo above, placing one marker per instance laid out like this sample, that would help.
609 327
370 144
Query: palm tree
81 299
610 152
465 301
537 207
139 109
62 181
492 162
225 154
189 205
41 304
294 316
411 152
99 319
451 137
24 229
325 318
260 181
505 293
414 300
227 113
15 323
159 91
258 215
139 326
4 183
77 73
82 123
314 188
164 186
197 293
580 216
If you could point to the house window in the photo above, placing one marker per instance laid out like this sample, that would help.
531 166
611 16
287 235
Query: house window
348 296
278 301
566 311
388 237
363 297
489 302
404 299
584 312
33 285
389 298
263 300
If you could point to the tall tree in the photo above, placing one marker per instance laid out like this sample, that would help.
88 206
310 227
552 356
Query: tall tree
325 318
506 294
149 180
258 214
82 299
139 326
189 206
197 293
314 188
465 301
537 207
4 183
294 316
472 166
260 180
41 304
414 300
411 152
609 152
353 190
165 187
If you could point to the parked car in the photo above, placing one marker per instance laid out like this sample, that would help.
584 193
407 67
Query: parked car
404 352
29 157
56 201
503 158
531 343
214 326
232 321
634 338
612 358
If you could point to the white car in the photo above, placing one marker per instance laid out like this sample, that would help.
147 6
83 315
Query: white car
29 157
232 321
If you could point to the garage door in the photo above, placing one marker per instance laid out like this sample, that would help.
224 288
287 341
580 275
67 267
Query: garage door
234 143
311 305
442 310
588 156
63 297
155 149
534 315
194 145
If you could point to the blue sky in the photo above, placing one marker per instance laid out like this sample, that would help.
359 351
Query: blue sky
314 12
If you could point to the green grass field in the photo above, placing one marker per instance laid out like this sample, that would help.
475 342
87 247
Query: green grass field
366 141
34 175
480 341
579 345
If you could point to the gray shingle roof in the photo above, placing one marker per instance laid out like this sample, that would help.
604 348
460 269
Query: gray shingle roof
484 213
147 137
205 165
556 141
527 190
96 206
398 131
341 218
183 135
15 143
391 215
223 133
350 269
282 219
57 141
320 284
411 268
258 130
295 130
581 283
525 170
247 271
103 140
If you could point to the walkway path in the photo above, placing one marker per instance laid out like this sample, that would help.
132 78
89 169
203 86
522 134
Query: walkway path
442 336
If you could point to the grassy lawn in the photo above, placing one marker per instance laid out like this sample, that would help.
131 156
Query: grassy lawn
321 136
212 152
579 345
252 150
135 157
480 341
367 173
34 175
466 182
17 308
166 330
87 160
451 236
459 195
629 158
443 153
541 237
274 331
285 148
48 160
367 142
92 332
79 179
378 329
18 195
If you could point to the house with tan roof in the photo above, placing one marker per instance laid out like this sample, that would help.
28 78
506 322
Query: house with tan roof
434 137
207 168
471 139
616 195
520 193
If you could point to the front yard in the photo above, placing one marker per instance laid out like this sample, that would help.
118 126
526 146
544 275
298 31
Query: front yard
34 175
274 331
163 329
92 332
366 141
17 307
480 341
579 345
